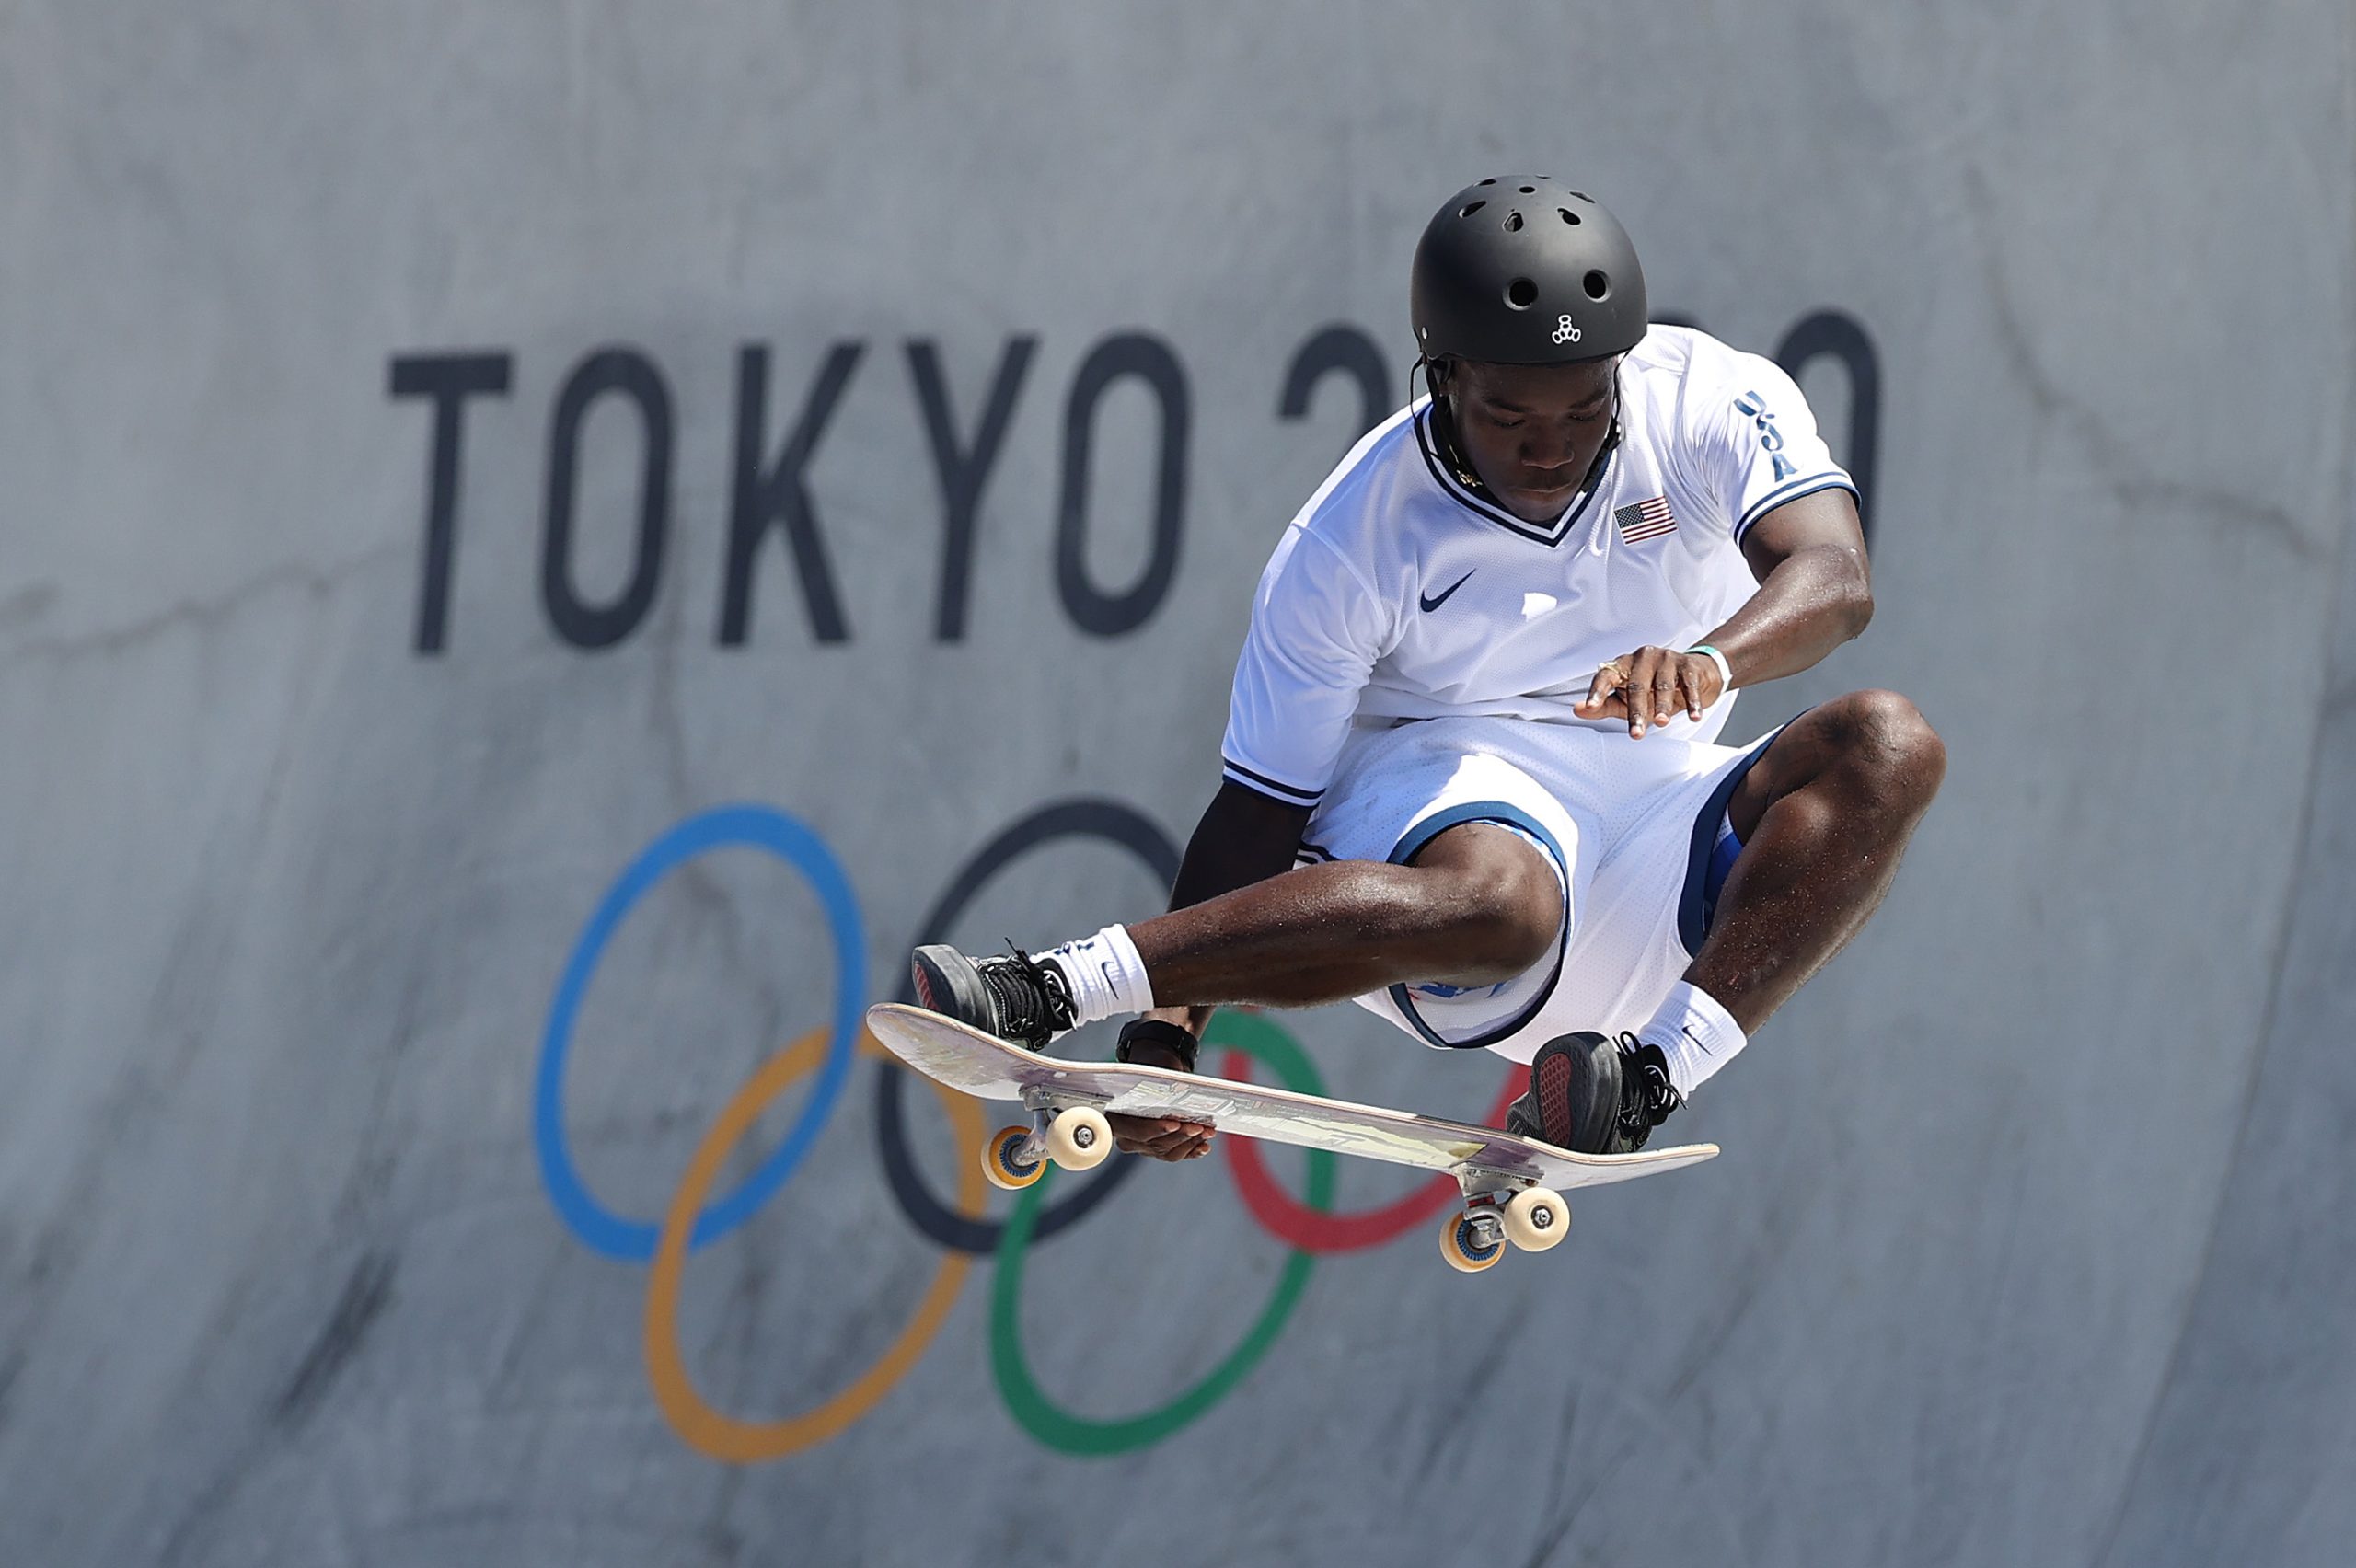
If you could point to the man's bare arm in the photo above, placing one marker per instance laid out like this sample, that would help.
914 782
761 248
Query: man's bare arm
1815 593
1243 837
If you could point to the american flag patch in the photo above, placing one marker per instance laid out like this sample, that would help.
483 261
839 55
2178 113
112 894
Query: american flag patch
1645 520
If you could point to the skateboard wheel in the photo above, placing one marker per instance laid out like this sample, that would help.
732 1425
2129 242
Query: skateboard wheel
1461 1245
1080 1138
1004 1162
1536 1219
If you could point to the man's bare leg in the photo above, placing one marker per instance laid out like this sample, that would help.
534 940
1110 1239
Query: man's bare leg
1823 816
1478 905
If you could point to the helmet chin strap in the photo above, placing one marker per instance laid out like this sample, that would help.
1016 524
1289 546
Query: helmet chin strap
1444 433
1451 452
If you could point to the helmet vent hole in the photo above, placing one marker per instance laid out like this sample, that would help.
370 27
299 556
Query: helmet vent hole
1584 197
1513 222
1469 208
1568 217
1521 294
1598 285
1530 190
1488 182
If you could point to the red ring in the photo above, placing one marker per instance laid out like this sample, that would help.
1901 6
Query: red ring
1295 1223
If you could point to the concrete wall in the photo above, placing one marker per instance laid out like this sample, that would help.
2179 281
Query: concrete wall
2025 1245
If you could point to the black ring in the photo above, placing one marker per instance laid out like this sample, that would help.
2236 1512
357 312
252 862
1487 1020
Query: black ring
1108 820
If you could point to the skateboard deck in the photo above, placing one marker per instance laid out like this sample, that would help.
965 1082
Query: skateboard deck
1484 1159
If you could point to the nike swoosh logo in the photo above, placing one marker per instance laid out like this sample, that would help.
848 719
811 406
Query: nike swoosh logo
1687 1031
1432 603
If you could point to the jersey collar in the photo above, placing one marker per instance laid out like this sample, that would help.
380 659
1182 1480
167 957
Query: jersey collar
1466 490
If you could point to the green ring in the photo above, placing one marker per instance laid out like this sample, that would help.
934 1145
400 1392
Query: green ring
1059 1429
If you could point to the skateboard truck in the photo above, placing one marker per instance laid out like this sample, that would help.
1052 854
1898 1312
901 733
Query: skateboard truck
1501 1206
1068 1127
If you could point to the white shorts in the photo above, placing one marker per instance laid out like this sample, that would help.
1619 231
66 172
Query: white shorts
1636 830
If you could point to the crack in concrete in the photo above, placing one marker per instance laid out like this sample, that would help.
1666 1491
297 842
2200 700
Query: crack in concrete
2338 695
10 1370
1559 1472
204 616
27 605
704 891
184 1006
2121 467
367 1291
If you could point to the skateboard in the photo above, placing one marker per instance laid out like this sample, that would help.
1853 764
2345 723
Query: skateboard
1512 1186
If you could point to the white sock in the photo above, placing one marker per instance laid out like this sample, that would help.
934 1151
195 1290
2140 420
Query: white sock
1106 974
1696 1034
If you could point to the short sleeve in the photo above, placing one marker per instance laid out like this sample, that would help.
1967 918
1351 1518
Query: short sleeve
1316 631
1756 442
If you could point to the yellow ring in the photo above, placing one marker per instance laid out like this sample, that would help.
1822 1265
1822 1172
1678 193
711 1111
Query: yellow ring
707 1430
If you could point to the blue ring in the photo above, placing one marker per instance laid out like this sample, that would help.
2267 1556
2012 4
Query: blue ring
763 828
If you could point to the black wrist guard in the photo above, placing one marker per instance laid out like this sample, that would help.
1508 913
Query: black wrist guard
1154 1031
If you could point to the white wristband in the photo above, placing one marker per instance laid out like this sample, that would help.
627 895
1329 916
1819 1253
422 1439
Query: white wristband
1726 671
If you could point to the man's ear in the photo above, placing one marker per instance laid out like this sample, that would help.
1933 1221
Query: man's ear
1440 376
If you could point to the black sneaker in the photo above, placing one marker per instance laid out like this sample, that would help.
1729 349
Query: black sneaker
1594 1096
1017 997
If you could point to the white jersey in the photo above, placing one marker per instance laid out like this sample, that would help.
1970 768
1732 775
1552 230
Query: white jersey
1397 592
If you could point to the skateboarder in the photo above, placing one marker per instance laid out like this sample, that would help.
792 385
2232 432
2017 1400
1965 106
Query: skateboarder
1470 778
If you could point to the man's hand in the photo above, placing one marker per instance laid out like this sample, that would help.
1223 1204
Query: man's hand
1163 1137
1648 686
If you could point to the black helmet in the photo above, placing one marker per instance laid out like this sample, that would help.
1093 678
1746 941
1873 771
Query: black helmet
1526 272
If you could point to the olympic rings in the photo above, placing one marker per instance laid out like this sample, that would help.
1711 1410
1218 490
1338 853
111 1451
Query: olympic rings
720 1437
1309 1226
1108 820
1058 1428
693 1218
763 828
